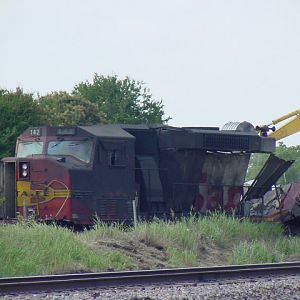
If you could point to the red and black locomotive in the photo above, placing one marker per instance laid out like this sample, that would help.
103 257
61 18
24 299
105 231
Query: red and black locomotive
76 173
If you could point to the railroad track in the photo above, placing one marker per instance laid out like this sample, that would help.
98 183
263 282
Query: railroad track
163 276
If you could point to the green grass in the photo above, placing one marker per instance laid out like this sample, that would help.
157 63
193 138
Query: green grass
263 251
29 249
187 240
48 249
256 252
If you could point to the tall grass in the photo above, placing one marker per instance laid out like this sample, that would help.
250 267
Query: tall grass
49 249
214 239
188 240
263 251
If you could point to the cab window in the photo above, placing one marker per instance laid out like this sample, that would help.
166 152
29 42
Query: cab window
82 150
112 153
29 148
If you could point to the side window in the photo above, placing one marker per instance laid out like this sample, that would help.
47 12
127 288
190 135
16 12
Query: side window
112 153
116 157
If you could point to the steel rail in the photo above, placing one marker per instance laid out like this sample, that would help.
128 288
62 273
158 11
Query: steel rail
112 279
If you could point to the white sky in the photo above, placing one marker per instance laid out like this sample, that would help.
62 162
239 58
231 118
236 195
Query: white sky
210 61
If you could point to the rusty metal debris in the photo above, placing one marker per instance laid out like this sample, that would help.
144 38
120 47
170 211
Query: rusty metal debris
269 202
279 205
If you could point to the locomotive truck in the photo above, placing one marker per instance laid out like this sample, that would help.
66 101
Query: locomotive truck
74 173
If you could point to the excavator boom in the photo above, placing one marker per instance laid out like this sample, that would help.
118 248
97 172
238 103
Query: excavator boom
290 127
287 116
293 126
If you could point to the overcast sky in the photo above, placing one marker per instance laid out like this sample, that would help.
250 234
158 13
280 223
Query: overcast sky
210 61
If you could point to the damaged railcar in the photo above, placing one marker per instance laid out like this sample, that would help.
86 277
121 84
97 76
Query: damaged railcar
74 173
266 201
280 205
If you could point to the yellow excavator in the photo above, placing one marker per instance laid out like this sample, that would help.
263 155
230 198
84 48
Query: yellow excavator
290 127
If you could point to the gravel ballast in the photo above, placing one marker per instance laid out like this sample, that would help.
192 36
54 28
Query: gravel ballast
287 287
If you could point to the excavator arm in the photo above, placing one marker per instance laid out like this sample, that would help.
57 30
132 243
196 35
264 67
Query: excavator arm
290 127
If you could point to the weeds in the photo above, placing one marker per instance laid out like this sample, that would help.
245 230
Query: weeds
49 249
29 248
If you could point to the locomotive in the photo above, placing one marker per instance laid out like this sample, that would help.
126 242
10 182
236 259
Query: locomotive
114 171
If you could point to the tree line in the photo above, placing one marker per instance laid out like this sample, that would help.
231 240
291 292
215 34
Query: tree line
106 99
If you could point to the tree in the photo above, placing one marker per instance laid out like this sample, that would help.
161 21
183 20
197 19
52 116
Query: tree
61 108
282 151
257 160
289 153
106 99
18 110
122 101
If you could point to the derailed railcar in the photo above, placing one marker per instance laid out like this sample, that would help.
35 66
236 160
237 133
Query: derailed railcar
76 173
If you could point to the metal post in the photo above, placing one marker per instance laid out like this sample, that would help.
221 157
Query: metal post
262 207
134 205
24 205
222 199
149 186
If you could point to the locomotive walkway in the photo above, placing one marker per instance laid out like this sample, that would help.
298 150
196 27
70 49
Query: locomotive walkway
125 278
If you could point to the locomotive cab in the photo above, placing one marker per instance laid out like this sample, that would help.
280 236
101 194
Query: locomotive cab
69 173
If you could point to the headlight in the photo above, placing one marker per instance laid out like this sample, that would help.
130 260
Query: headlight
24 169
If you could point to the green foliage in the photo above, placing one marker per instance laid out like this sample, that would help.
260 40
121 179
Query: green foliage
122 101
105 230
178 257
61 108
18 111
287 153
189 241
104 100
223 229
30 249
257 160
256 252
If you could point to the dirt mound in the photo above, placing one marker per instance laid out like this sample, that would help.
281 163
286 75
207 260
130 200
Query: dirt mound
212 255
144 256
147 256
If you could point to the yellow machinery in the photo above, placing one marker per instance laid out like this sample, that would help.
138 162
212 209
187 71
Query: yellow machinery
290 127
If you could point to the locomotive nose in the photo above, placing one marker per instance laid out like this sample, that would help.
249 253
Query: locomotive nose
42 188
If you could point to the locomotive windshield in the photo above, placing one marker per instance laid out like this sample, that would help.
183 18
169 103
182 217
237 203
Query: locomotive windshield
29 148
80 149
